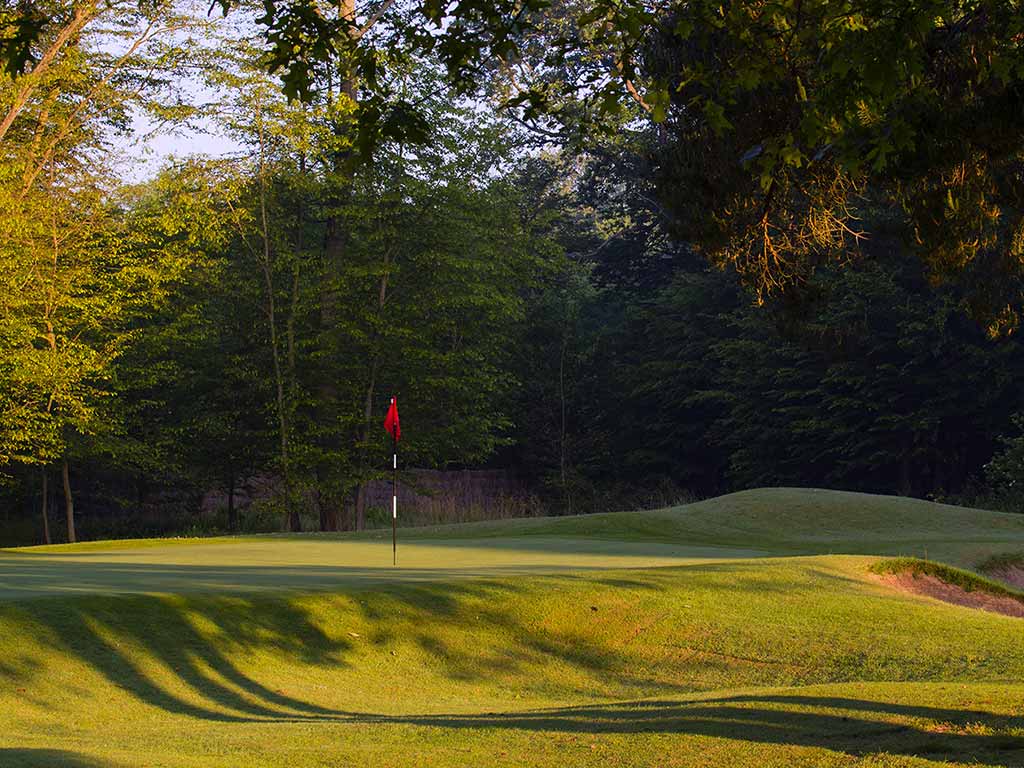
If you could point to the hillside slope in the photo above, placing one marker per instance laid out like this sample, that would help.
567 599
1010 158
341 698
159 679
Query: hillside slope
779 519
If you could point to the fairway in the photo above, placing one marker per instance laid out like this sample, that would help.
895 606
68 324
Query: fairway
698 636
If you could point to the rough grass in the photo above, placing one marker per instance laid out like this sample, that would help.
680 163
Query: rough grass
793 659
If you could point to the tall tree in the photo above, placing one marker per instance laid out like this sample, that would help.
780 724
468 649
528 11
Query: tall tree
70 287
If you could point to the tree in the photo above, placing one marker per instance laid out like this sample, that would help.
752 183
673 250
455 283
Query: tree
70 287
881 383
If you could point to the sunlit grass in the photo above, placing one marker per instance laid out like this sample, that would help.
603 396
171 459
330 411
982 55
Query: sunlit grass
793 660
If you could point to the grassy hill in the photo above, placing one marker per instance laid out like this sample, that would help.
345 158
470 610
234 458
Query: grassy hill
782 521
720 633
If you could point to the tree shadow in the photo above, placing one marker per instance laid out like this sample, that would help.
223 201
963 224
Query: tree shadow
199 656
153 647
45 758
855 727
194 655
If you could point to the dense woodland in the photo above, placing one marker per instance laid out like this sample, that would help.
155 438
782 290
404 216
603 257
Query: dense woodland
626 250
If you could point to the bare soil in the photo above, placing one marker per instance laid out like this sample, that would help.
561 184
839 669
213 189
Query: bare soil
930 586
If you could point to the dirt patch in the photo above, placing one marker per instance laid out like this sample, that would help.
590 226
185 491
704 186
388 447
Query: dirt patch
930 586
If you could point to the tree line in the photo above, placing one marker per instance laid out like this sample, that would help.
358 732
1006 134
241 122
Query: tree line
614 248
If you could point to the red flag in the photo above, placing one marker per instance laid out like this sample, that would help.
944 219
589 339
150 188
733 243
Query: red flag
391 421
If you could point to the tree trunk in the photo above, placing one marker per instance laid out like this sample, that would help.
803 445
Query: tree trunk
46 509
367 414
339 192
82 15
232 512
292 520
328 397
563 458
69 503
321 505
361 506
382 297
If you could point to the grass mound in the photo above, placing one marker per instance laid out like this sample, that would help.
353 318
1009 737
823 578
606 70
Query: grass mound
775 516
765 520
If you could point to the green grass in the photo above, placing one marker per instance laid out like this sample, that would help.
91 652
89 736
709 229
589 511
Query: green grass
775 520
722 633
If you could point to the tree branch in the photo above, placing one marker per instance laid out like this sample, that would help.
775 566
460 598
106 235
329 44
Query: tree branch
83 14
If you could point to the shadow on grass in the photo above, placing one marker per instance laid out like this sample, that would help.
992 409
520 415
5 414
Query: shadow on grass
173 653
204 656
853 726
45 758
200 656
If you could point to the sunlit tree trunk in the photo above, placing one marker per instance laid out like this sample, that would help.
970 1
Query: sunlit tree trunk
83 14
293 521
46 508
69 503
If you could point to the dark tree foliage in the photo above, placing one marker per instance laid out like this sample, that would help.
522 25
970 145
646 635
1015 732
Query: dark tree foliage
883 384
871 377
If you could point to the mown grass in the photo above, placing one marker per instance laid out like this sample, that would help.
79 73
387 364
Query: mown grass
792 660
770 520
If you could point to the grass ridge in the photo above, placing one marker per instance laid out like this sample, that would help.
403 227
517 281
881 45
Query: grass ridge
966 580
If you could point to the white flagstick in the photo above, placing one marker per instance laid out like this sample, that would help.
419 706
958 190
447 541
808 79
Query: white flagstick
394 503
391 425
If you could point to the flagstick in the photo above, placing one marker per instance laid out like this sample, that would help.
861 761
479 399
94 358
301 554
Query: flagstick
394 500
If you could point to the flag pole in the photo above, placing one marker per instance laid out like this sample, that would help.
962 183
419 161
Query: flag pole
394 499
391 425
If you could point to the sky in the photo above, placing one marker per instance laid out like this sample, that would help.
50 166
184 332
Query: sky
143 153
147 147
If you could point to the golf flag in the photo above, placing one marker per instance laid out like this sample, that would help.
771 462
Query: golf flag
393 429
391 421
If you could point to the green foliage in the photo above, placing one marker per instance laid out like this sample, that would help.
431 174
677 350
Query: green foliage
1007 466
19 29
551 308
819 105
880 384
559 405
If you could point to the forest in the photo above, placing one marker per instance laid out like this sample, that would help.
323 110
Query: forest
628 251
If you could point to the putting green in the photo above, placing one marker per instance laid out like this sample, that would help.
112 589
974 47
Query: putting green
321 563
